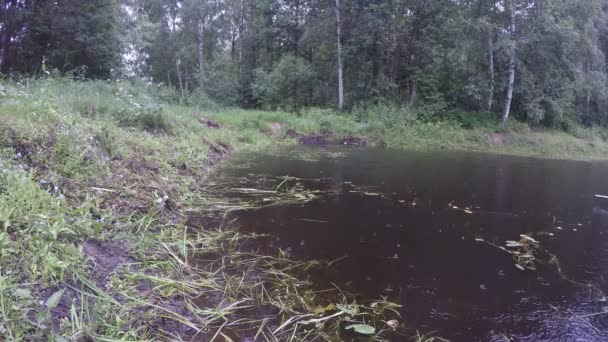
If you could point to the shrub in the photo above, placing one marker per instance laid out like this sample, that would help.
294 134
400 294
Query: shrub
222 82
281 86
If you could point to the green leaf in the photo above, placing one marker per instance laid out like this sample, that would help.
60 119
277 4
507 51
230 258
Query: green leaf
54 299
321 310
362 329
22 293
349 309
43 317
59 338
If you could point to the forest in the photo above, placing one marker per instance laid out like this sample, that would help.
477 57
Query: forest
542 62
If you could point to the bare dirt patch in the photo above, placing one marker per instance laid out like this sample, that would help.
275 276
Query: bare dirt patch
106 257
209 123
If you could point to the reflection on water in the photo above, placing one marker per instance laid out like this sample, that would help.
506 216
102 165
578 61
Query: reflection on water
405 239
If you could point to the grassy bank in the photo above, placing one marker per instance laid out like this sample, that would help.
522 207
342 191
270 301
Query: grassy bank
102 186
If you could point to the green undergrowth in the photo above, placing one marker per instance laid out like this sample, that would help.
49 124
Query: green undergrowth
98 183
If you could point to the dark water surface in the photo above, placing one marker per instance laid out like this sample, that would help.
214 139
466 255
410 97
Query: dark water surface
404 238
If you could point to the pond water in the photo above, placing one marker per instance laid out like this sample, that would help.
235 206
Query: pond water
410 224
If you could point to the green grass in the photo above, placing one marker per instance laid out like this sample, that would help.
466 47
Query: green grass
87 168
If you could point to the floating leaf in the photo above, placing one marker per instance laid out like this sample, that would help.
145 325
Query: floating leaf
362 329
54 299
526 237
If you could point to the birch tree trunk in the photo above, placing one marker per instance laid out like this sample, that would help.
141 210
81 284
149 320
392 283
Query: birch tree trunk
491 72
509 96
200 44
179 77
340 65
413 93
240 47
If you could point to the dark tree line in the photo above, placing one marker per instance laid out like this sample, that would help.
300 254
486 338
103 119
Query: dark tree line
543 61
63 34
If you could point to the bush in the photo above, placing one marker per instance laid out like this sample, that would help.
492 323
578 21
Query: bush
222 82
471 120
199 98
155 120
389 114
282 86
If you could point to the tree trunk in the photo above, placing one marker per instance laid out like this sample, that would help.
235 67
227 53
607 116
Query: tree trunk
491 71
8 31
232 46
240 47
311 84
509 96
413 93
340 66
200 44
179 77
186 77
588 92
4 42
413 84
295 37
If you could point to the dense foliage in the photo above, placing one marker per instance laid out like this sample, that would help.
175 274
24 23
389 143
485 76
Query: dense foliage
432 55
